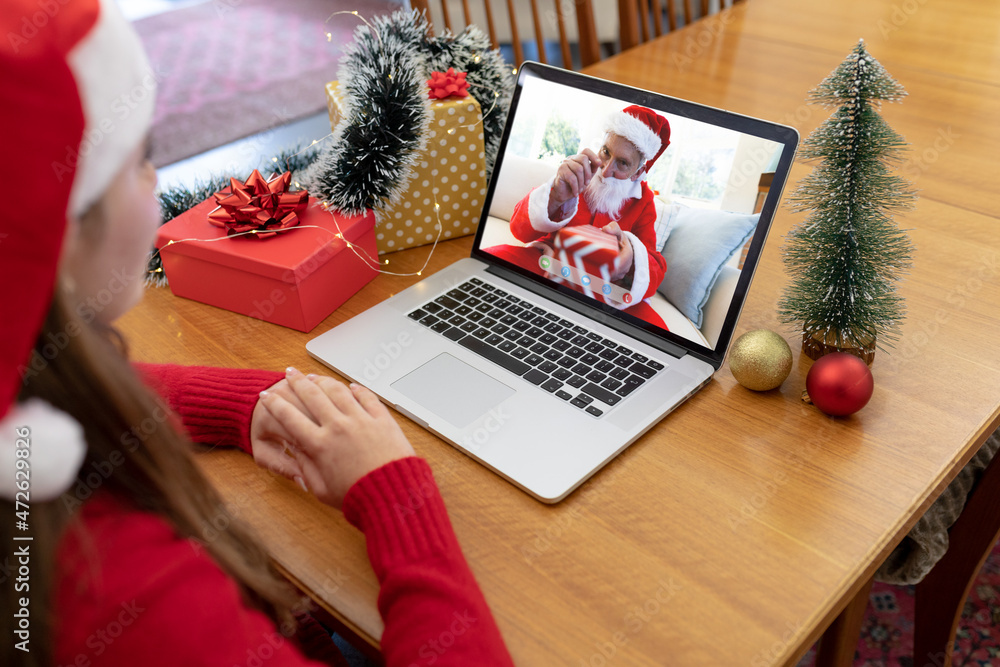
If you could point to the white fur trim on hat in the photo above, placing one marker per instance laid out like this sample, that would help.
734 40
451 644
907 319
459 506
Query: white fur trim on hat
631 128
538 209
55 449
116 86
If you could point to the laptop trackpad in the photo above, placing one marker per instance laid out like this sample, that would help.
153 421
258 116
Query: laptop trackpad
453 390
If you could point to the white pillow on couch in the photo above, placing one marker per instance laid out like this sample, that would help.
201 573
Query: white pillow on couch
700 243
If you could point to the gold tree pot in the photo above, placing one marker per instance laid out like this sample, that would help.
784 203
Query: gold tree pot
816 344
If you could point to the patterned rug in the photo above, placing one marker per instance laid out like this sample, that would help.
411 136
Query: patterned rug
887 633
227 69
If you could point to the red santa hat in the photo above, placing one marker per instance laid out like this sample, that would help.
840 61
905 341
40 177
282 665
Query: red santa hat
647 130
78 99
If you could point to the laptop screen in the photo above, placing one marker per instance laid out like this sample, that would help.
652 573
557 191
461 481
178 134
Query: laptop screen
648 209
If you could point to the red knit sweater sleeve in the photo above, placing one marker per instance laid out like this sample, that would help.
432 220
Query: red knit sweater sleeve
433 610
214 404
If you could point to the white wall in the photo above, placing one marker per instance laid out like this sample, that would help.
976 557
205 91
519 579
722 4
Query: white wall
752 157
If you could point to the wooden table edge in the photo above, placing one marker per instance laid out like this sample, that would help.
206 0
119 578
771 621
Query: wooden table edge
833 617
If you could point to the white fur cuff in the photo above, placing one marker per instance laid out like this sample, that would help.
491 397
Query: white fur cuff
538 209
640 273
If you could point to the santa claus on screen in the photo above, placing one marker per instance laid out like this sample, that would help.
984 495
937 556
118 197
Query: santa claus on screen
606 190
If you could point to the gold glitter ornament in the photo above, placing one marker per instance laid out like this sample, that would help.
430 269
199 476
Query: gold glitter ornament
760 360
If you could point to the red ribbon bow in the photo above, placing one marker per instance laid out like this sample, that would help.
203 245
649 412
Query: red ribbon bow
264 206
448 84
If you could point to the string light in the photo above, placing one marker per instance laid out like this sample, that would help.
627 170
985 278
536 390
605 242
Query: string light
171 242
483 116
374 263
358 251
353 12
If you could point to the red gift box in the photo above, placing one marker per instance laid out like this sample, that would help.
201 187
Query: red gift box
587 249
295 278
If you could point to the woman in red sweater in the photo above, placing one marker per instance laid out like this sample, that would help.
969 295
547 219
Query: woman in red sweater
110 530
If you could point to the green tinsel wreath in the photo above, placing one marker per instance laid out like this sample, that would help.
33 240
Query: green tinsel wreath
369 161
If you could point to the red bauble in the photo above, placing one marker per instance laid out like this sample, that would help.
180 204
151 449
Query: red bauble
839 384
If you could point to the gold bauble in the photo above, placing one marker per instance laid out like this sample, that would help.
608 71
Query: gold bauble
760 360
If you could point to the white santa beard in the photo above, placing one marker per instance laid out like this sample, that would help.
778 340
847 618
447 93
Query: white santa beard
607 195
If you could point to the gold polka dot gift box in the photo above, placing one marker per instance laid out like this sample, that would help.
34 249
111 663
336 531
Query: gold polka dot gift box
451 172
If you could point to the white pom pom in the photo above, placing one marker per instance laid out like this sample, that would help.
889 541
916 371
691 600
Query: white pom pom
55 446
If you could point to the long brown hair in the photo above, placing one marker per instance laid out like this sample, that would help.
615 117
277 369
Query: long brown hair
80 367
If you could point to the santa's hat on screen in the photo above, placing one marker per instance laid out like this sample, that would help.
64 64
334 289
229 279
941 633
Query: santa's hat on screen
647 130
78 99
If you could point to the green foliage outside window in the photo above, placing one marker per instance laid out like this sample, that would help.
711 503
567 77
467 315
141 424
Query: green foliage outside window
560 139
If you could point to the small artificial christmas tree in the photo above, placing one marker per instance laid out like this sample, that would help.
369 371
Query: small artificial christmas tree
847 256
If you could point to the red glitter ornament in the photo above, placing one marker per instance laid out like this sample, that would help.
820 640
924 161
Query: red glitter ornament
839 384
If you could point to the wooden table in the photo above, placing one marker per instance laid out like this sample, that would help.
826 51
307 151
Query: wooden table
738 528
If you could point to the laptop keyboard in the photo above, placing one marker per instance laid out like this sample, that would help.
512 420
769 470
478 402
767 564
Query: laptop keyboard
567 360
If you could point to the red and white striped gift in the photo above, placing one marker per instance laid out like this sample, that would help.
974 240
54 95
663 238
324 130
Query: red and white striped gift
589 250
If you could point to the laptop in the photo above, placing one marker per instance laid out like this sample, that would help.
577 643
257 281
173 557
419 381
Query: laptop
540 357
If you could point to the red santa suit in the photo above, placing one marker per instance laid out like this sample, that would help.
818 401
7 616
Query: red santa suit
649 132
530 222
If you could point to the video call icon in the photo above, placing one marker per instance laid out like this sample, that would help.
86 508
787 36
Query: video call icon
551 265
